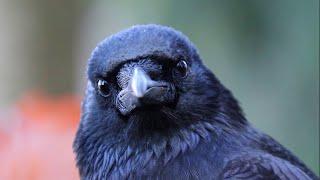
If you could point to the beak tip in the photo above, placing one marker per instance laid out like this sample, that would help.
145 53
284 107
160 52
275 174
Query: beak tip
137 94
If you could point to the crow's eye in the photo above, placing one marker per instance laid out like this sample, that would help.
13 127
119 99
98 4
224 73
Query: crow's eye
181 69
103 88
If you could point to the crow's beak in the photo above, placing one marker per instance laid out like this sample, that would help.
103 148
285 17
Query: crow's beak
140 82
142 90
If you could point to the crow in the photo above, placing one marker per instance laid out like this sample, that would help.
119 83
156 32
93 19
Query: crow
153 110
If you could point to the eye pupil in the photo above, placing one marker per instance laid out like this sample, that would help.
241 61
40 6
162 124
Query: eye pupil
103 88
181 69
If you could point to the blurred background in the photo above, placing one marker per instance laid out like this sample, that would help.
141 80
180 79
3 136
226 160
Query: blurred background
266 52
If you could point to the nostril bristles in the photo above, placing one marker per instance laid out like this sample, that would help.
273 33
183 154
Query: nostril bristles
121 95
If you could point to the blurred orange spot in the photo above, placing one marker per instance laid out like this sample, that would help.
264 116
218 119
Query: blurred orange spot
37 141
60 112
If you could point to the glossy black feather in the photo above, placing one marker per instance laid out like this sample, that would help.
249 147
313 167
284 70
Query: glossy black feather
203 134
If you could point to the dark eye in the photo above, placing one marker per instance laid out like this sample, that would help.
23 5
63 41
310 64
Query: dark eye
181 69
103 88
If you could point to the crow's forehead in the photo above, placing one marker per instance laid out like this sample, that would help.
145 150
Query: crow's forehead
141 42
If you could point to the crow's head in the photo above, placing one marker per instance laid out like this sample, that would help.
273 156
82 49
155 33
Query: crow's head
150 78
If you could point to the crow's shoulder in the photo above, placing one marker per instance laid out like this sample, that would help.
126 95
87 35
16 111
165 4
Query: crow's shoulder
261 166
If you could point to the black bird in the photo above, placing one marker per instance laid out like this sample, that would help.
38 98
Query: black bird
153 110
